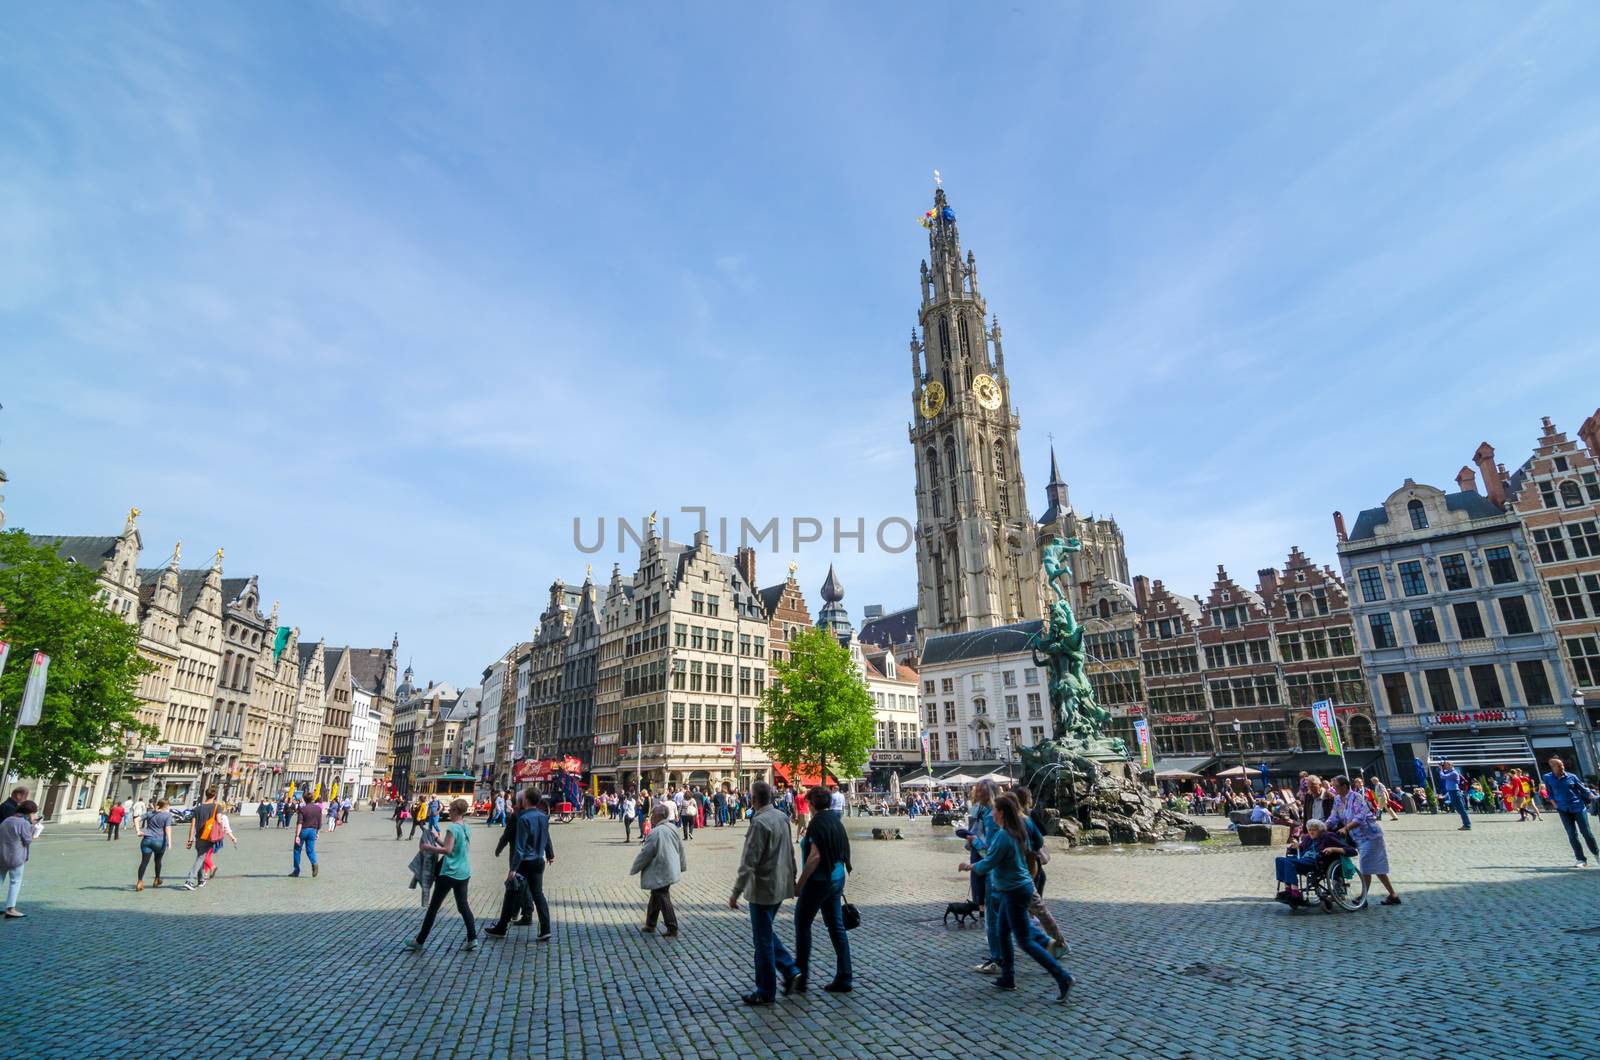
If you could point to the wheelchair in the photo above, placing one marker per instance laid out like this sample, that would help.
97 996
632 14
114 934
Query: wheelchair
1330 884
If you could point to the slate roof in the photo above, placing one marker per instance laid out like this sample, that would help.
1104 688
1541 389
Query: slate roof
369 667
306 652
770 597
190 582
979 643
330 664
745 597
1471 503
896 627
84 551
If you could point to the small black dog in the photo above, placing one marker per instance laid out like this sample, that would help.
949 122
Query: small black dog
962 911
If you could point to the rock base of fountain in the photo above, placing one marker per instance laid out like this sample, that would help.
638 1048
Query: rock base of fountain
1079 798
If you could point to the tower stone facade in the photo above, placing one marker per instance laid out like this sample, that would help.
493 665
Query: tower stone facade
977 549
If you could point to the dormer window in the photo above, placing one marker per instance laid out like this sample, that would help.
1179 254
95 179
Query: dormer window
1419 515
1226 596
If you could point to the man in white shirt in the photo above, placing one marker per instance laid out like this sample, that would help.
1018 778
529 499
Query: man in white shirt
837 803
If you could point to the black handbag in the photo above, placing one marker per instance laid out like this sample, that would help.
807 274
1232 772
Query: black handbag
850 915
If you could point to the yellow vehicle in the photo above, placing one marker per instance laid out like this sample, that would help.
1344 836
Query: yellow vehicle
448 786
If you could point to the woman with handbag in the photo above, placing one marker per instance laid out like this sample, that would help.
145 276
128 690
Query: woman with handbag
825 850
1004 863
17 834
1036 908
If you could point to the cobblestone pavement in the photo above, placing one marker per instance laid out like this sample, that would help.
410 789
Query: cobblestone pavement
1178 953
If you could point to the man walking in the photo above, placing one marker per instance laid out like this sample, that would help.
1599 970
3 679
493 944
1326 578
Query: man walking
202 823
1572 803
19 795
263 811
1452 786
308 822
766 872
531 851
688 812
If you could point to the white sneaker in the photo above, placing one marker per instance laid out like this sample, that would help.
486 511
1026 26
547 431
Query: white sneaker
987 968
1580 865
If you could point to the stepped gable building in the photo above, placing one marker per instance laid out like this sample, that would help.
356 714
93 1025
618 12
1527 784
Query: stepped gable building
977 549
694 620
616 621
547 668
1235 639
580 679
337 698
310 705
784 605
372 671
284 673
1456 638
1175 688
1556 495
244 693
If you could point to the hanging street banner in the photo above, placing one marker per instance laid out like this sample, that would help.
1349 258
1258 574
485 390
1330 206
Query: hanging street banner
1327 727
33 692
5 653
1141 732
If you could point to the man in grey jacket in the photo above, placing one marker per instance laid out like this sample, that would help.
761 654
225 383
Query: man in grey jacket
766 876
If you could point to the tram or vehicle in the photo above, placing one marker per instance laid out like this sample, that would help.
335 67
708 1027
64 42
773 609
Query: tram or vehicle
448 786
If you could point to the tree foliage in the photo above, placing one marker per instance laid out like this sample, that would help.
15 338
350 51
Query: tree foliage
91 698
818 708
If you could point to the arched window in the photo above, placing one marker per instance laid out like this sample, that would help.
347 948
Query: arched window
1570 496
944 339
1105 608
933 480
1419 517
950 466
1000 478
980 706
1361 735
1308 734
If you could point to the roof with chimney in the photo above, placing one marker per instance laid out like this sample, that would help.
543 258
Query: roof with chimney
894 628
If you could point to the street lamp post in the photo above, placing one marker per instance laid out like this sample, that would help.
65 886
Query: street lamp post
1238 739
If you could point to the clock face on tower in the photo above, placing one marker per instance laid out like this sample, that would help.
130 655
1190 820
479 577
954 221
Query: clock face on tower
932 399
987 391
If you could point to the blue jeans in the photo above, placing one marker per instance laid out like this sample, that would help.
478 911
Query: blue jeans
771 957
14 886
1014 914
308 839
822 896
1575 823
1458 802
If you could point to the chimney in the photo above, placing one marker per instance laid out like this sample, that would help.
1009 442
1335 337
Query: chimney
1268 578
702 541
1466 481
1141 592
1590 433
745 561
1338 527
872 611
1494 486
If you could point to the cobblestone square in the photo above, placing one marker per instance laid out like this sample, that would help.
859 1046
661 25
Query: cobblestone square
1177 953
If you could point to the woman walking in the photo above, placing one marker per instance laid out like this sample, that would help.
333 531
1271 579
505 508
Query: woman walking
114 818
226 832
627 820
1058 942
659 864
1004 865
17 834
155 835
454 873
1352 815
825 850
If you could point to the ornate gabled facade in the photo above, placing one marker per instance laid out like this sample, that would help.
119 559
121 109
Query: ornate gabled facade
977 552
1175 688
616 620
243 699
184 608
284 672
547 671
1556 495
305 732
372 670
579 679
333 740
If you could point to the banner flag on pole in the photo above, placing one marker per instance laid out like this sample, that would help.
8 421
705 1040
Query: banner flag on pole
1141 731
5 653
1327 727
33 692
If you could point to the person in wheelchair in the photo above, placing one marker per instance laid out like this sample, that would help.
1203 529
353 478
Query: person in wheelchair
1316 851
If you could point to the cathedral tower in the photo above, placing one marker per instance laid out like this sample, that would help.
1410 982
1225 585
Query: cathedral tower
977 552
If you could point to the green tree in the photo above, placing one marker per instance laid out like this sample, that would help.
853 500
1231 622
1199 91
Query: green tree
818 707
48 604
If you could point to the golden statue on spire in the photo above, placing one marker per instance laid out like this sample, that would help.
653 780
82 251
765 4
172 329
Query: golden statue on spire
133 513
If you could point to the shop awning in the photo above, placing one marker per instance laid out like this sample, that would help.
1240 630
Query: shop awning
1181 765
805 777
1495 750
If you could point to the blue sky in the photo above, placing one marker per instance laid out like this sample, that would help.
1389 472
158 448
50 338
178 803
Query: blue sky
381 296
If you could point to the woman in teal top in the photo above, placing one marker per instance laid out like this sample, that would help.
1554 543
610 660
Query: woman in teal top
1004 862
454 874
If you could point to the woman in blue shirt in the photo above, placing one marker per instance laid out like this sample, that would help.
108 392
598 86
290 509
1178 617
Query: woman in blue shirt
1004 865
454 874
